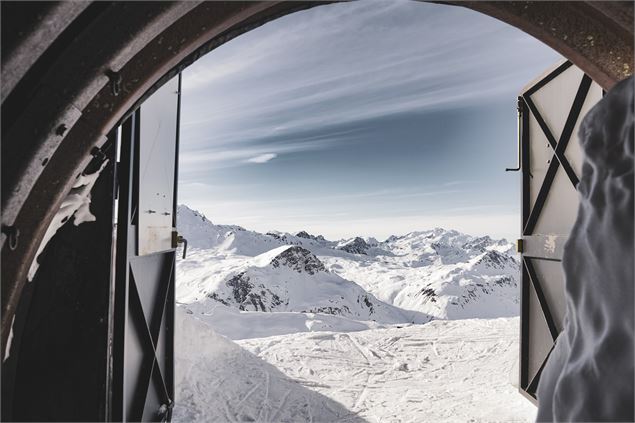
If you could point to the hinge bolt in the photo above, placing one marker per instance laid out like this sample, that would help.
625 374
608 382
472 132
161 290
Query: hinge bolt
115 82
61 130
97 153
12 234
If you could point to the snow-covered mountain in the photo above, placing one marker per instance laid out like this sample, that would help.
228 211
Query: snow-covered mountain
292 278
356 245
440 273
202 233
269 291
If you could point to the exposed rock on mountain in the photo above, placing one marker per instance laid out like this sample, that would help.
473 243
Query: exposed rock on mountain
356 245
304 234
292 278
495 260
439 272
245 297
299 259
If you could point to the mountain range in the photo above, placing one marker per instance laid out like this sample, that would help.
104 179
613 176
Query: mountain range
433 274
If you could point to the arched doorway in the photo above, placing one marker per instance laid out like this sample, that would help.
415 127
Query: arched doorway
38 174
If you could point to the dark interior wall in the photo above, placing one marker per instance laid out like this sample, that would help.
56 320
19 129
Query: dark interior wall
32 26
59 350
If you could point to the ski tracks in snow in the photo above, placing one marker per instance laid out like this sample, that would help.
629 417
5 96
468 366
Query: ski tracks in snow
440 371
218 381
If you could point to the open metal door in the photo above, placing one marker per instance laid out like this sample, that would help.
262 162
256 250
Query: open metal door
143 327
550 111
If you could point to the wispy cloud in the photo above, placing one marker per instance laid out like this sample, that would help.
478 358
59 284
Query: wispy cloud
461 182
321 67
345 82
263 158
312 94
227 155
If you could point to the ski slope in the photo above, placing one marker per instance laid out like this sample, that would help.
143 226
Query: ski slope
442 371
279 327
218 381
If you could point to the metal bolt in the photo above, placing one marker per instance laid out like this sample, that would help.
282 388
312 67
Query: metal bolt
115 81
61 130
97 153
12 234
163 409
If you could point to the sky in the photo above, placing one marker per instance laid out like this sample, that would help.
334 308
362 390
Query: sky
368 118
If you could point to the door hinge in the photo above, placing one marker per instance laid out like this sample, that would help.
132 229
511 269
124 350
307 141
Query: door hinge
519 245
178 239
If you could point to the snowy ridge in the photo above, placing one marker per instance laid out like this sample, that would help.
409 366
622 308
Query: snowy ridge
236 324
295 280
440 273
444 273
202 233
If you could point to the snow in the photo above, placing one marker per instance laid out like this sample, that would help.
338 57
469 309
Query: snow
295 280
77 204
201 233
440 371
218 381
235 324
282 327
466 287
7 348
437 273
264 259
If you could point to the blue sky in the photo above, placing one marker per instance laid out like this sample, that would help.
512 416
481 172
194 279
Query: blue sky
366 118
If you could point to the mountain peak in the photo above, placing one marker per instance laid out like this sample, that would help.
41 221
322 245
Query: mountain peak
183 211
495 259
306 235
356 245
299 259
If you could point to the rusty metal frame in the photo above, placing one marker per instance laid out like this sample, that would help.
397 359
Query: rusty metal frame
107 57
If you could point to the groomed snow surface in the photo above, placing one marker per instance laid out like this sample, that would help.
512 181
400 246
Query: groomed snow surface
439 371
293 328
